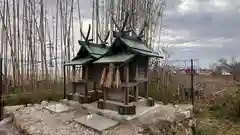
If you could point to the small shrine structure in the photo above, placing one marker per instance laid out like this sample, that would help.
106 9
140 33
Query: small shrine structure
84 87
124 69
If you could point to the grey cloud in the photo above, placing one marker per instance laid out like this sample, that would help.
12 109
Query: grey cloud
204 28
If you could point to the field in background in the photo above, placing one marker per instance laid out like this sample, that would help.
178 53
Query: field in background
162 87
165 89
218 100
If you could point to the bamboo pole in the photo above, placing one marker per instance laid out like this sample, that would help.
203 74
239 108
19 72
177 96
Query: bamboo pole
56 42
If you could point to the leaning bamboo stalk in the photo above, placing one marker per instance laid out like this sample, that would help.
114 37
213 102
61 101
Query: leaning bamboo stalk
14 41
61 31
22 43
79 17
41 28
69 30
18 43
4 44
9 31
73 39
56 42
41 38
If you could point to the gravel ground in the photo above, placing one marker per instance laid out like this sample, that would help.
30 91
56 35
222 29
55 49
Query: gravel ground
8 129
130 128
38 121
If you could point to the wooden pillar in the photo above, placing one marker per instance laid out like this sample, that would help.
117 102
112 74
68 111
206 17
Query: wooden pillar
74 79
86 80
136 93
83 72
137 71
74 72
105 94
146 76
136 87
126 90
95 86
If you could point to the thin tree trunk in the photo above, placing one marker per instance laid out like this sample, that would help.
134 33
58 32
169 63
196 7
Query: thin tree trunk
56 43
18 43
14 42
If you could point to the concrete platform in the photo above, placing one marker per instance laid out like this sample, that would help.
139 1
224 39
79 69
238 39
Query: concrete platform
141 109
37 120
96 122
58 108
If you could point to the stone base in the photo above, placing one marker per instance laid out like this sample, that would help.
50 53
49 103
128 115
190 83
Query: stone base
81 98
127 110
117 106
150 102
70 96
101 104
100 95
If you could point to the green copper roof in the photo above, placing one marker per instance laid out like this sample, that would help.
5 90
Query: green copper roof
152 54
140 48
136 45
96 55
93 48
78 62
117 58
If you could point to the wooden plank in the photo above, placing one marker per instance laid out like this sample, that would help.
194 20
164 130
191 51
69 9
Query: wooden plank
141 80
129 84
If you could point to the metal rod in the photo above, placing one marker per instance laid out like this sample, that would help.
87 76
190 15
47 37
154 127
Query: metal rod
1 91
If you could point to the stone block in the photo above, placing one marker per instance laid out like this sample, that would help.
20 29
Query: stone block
58 108
127 110
70 96
150 102
44 103
101 104
96 122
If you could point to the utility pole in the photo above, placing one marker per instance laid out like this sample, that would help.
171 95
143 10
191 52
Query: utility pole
193 98
192 89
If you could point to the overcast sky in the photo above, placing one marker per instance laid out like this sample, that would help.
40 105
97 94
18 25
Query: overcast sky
202 29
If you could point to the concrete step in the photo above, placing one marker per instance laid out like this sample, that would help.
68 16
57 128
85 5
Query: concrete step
96 122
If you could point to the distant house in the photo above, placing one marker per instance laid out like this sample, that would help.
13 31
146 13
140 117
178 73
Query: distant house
225 72
223 69
206 72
